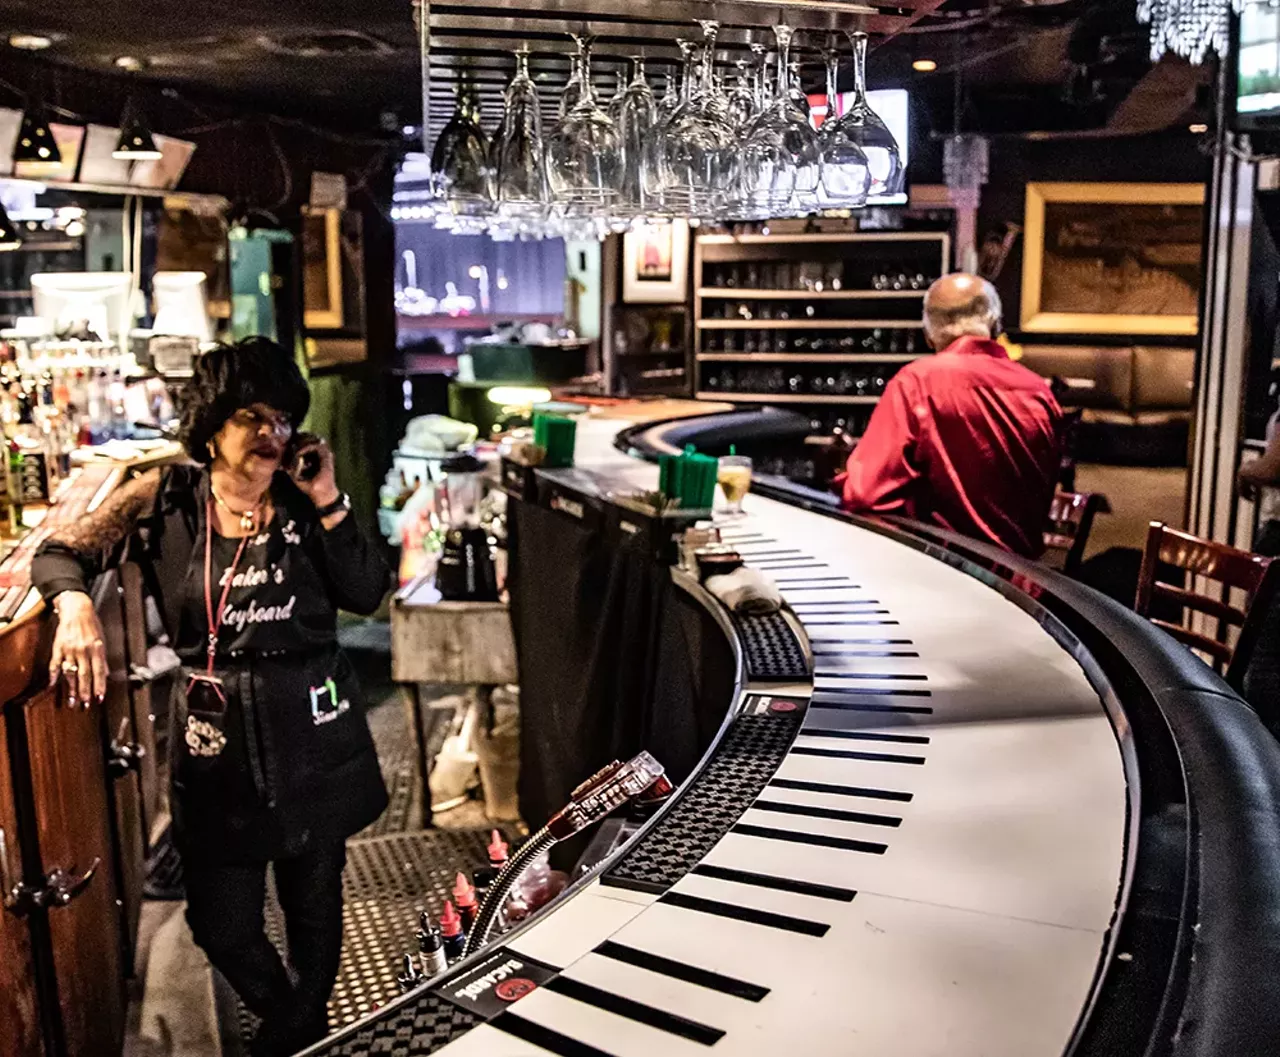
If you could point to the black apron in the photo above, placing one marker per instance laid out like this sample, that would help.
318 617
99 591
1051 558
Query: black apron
286 760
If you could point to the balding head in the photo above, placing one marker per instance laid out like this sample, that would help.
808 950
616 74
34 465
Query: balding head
958 305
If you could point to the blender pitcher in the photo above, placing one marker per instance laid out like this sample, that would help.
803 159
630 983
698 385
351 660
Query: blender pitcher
466 571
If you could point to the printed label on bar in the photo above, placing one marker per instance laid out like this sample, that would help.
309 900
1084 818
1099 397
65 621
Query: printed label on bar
496 983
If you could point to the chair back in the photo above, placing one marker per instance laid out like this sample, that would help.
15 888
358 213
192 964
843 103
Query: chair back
1257 577
1067 535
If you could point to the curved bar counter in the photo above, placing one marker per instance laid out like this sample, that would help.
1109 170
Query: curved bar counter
997 815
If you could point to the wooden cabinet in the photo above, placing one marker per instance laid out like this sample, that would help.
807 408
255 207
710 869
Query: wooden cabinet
19 1014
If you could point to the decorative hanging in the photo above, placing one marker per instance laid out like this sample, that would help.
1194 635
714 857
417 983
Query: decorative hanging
1190 28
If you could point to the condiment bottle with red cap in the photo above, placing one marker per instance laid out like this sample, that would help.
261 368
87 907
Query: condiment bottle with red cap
455 936
464 896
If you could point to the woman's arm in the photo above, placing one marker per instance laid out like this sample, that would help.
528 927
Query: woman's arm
358 578
61 570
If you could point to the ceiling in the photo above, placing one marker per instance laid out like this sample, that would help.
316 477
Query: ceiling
1023 64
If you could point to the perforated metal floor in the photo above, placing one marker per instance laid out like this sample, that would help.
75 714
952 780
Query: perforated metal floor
770 647
749 756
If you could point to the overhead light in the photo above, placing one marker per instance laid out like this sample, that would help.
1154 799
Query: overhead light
924 65
9 237
128 62
1199 128
30 41
518 395
136 142
35 148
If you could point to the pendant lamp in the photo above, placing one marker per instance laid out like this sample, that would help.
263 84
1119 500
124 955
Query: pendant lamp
35 149
9 237
136 142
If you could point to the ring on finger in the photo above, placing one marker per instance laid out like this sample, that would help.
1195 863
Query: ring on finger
70 667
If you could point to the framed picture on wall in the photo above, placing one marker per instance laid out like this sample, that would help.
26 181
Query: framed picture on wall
655 264
1112 258
322 269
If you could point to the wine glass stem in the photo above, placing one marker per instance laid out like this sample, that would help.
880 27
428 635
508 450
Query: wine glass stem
833 95
860 67
783 34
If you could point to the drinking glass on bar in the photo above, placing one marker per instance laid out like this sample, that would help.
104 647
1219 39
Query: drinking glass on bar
734 477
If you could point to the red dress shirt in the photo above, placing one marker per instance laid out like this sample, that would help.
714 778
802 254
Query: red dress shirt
967 440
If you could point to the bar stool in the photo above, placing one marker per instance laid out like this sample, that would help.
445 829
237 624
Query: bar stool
1257 577
1071 517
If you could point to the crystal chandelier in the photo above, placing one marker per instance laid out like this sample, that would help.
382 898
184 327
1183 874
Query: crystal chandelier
1190 28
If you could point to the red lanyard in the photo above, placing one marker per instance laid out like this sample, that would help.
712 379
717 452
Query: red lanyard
215 619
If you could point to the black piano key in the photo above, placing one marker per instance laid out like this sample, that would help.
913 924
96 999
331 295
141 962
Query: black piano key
899 676
860 612
537 1035
865 653
836 693
854 754
857 706
864 818
690 974
824 623
861 642
843 790
798 606
637 1011
836 587
813 580
778 565
781 884
866 735
756 917
820 840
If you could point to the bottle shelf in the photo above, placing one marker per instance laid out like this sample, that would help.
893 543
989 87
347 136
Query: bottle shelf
809 324
785 398
733 293
848 237
796 357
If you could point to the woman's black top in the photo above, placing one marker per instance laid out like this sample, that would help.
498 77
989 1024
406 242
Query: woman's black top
288 760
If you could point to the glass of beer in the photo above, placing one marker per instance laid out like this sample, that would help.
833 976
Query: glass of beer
734 477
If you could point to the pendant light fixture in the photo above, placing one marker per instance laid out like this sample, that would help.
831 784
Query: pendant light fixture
136 142
9 237
35 149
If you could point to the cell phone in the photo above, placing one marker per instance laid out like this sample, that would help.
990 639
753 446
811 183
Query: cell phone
304 465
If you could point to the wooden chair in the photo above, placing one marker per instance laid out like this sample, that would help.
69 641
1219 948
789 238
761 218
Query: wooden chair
1071 517
1257 577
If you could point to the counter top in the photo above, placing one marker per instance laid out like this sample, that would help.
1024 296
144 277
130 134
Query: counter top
931 845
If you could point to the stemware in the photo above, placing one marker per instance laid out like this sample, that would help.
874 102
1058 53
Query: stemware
584 151
637 126
697 147
614 107
520 172
781 161
460 171
572 91
846 177
742 100
863 126
670 98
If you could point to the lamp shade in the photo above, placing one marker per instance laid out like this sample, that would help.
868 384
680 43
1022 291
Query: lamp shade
136 142
35 147
9 237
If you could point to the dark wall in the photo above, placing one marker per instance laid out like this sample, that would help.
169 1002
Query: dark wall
1167 158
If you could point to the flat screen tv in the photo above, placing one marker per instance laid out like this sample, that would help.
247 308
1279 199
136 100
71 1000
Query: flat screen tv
1258 61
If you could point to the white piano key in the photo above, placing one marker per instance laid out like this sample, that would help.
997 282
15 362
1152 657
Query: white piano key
616 1035
758 897
574 928
800 825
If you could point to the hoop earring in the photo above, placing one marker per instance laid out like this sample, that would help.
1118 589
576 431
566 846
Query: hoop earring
213 451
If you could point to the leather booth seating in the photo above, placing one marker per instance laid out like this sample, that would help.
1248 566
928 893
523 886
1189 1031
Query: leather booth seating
1135 399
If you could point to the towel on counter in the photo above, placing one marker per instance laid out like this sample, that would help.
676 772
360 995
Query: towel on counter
746 591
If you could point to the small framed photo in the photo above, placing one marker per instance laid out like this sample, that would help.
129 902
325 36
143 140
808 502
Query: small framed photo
656 262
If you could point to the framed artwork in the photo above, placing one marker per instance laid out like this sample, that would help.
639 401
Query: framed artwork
1111 258
655 264
322 269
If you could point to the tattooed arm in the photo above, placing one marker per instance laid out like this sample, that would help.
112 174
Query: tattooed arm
62 569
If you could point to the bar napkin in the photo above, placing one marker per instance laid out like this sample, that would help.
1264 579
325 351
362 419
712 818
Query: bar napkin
746 591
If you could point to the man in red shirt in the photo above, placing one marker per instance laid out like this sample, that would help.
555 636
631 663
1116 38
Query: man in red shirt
966 439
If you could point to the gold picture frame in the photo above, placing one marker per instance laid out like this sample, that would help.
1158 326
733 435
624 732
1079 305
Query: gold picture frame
1125 260
322 269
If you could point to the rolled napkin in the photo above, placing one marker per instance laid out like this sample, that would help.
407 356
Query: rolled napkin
746 591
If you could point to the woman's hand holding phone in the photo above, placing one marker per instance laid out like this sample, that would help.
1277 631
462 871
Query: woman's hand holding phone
310 464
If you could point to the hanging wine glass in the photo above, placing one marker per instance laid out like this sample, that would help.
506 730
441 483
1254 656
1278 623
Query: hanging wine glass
520 169
699 146
863 126
711 96
670 98
614 107
846 177
780 157
573 89
637 126
795 90
460 171
742 101
584 152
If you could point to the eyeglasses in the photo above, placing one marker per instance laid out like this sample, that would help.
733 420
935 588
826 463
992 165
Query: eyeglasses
253 419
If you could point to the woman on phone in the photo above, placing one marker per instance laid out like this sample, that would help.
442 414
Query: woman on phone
250 554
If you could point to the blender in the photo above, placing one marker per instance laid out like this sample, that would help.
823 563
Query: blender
465 572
